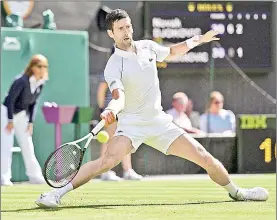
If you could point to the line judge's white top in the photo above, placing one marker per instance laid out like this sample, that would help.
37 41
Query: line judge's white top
137 75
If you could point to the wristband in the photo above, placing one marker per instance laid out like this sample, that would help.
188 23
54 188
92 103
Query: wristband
191 42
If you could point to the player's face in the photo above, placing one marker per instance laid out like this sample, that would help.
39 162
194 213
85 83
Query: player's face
122 33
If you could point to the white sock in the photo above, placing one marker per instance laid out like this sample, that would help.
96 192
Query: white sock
62 191
231 188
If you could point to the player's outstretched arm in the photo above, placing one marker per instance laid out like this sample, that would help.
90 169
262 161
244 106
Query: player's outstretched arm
185 46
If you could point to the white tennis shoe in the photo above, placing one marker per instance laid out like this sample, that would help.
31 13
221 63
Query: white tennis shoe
254 194
49 200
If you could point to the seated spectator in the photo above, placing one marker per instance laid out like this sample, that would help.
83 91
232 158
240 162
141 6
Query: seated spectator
216 119
179 106
193 115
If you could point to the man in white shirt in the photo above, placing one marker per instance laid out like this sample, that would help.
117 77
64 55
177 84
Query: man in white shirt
180 118
131 74
194 116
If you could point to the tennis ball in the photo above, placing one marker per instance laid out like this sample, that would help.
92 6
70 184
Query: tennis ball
102 137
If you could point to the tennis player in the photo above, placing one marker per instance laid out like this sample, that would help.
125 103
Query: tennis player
131 74
104 96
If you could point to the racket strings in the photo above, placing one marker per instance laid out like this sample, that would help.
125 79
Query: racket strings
63 165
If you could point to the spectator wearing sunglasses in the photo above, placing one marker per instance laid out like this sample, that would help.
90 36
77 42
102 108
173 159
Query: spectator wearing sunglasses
17 117
216 119
180 103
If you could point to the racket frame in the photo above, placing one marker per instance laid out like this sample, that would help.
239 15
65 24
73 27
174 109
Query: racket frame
90 136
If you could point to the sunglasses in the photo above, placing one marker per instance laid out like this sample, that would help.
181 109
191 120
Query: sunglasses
42 66
180 101
218 102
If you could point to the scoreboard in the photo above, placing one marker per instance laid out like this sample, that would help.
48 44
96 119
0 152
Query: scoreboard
244 29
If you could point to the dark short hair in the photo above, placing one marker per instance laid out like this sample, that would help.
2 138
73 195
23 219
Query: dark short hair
113 16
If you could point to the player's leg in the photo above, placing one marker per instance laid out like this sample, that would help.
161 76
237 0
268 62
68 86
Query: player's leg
128 172
118 147
109 175
188 148
116 150
174 141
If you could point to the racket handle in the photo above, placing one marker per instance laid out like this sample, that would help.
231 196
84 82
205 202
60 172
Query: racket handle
98 127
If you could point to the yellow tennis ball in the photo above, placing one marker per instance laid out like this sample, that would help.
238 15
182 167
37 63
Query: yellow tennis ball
102 137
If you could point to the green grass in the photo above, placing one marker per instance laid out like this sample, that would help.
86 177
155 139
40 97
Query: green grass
189 199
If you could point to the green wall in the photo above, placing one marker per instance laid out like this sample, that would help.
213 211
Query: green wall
67 53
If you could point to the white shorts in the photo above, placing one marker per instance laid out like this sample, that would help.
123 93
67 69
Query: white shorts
157 134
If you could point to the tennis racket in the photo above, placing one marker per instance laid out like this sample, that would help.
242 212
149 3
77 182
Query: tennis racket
63 164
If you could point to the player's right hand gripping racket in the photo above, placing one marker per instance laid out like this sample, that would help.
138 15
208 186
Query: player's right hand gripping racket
64 163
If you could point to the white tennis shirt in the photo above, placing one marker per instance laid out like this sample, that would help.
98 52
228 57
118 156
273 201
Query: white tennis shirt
137 75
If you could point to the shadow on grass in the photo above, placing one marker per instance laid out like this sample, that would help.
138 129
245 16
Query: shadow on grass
112 206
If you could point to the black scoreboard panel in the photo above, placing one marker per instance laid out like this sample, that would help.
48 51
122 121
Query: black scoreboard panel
244 29
256 138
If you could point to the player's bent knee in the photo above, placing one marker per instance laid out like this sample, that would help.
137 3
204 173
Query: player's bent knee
210 162
109 163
